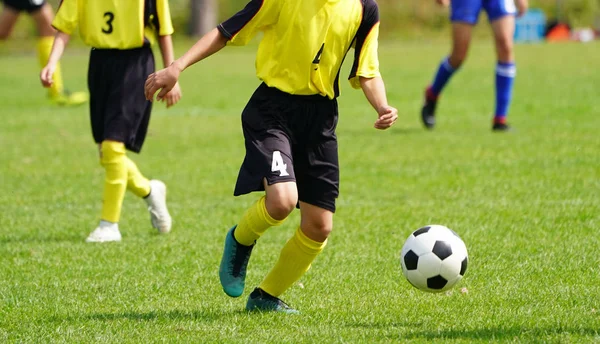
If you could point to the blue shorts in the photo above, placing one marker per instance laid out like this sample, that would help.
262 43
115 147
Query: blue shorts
467 11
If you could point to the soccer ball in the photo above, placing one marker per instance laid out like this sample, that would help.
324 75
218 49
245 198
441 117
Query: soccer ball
434 258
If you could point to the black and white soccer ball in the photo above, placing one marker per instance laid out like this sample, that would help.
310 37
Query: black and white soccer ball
434 258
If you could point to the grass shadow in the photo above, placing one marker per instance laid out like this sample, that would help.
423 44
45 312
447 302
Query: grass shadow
501 333
196 315
44 239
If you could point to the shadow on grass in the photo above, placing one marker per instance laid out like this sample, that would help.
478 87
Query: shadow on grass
411 331
44 239
198 315
501 333
370 132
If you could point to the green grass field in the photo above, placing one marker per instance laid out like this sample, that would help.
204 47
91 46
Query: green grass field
526 203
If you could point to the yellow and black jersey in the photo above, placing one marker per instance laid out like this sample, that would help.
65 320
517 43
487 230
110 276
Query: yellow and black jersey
115 24
305 42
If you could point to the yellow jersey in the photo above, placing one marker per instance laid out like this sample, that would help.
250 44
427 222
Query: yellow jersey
115 24
305 42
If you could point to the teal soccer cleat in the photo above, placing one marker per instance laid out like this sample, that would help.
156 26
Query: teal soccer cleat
260 301
234 262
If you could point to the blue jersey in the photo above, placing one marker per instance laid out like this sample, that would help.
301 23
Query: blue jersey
467 11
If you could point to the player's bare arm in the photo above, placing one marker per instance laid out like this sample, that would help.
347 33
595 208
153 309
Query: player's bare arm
165 79
166 50
374 90
443 2
61 40
522 6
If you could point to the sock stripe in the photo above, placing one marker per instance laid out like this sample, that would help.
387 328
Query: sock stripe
446 64
509 71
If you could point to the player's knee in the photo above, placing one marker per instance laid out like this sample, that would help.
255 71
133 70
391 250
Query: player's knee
317 230
279 206
111 151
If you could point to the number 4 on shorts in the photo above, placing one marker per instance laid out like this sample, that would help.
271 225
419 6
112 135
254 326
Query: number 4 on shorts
278 166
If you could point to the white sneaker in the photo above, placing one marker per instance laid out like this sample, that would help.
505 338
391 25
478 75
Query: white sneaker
157 206
105 232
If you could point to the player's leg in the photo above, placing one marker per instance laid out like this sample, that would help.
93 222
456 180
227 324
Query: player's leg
464 15
8 19
270 210
154 192
136 119
267 165
505 69
317 173
42 16
112 158
295 259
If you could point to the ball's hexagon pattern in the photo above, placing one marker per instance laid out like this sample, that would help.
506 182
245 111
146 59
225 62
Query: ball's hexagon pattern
411 260
429 265
437 283
421 231
434 258
463 266
442 249
417 245
416 279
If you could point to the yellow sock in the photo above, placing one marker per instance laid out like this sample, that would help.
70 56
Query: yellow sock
115 182
254 223
136 182
44 48
295 259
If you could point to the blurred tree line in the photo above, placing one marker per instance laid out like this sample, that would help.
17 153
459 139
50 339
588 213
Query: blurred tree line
420 14
399 17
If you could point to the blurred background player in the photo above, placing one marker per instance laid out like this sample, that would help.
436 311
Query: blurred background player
41 12
289 126
120 34
464 15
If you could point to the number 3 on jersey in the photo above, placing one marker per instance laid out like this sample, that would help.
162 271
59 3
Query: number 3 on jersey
109 16
278 166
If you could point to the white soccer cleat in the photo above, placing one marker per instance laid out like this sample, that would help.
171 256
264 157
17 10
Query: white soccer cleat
105 232
157 206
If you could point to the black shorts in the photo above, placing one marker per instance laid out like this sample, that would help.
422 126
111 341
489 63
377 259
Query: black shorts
291 138
119 110
25 5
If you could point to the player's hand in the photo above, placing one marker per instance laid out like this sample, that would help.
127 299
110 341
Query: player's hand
173 96
522 6
444 3
46 75
163 80
387 117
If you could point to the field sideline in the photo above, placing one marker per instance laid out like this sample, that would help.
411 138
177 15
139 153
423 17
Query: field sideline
526 203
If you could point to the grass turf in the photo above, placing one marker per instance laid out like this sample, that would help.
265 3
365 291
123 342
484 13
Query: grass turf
526 203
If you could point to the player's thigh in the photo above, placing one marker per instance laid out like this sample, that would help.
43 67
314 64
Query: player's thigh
318 174
8 18
315 222
268 160
268 145
43 20
465 11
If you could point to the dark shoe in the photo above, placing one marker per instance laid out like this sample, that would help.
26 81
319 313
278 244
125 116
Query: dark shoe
260 301
428 111
232 271
501 127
